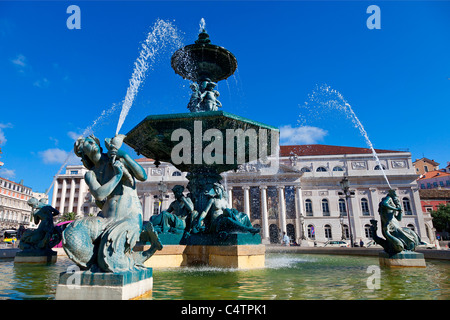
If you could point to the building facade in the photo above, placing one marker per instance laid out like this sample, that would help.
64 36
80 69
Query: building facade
302 197
438 179
425 165
14 210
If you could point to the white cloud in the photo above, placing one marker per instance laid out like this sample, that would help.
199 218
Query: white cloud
73 135
54 156
42 83
7 173
301 135
20 61
2 134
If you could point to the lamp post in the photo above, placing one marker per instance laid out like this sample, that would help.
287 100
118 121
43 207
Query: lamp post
341 220
302 222
347 194
162 188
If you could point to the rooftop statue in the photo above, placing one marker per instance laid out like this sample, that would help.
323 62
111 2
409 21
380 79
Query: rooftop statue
46 236
105 242
397 238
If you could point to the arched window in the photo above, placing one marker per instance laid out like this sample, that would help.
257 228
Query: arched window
365 207
342 207
407 206
325 207
327 229
305 169
308 207
321 169
176 174
377 167
311 232
368 232
338 168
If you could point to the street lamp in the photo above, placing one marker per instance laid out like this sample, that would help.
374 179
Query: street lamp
162 188
341 220
345 186
302 221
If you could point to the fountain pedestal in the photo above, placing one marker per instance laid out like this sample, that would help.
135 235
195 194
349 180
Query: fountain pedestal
402 259
87 285
238 250
31 256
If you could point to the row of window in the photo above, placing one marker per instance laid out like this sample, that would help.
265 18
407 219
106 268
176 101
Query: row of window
345 233
15 187
336 168
435 184
343 207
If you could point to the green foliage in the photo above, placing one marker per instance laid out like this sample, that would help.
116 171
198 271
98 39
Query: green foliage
441 218
68 216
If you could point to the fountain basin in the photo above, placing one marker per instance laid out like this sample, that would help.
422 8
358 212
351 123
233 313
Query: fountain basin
153 139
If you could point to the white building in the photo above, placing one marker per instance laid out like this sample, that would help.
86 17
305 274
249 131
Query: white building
302 198
14 210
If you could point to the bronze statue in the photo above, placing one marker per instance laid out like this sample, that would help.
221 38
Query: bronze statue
397 238
46 236
106 242
173 220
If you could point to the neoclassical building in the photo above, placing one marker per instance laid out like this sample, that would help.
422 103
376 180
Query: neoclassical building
14 210
302 197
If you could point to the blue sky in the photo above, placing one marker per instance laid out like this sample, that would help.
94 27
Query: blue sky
55 82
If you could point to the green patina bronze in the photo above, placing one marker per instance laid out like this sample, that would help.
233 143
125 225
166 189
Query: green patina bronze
204 143
40 241
397 239
105 243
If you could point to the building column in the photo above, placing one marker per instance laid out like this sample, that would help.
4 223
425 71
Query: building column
71 195
81 195
55 192
230 196
416 208
299 227
146 207
265 214
63 196
246 200
355 217
282 204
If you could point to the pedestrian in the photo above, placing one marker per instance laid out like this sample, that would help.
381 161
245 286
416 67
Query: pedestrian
361 243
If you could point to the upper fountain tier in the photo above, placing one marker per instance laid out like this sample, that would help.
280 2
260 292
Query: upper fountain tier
203 60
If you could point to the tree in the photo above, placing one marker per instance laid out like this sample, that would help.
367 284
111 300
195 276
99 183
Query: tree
441 218
68 216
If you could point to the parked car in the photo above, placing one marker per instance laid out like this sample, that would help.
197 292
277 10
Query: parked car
426 245
335 243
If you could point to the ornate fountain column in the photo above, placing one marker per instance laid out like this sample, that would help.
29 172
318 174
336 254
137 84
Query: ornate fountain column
55 193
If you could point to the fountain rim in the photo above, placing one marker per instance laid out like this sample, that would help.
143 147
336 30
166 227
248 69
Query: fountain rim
195 47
